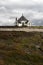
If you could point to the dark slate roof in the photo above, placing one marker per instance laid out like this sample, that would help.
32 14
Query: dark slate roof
22 18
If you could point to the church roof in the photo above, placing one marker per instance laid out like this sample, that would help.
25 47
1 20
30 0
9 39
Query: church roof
22 18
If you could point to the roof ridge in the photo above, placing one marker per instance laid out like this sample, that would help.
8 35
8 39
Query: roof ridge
22 18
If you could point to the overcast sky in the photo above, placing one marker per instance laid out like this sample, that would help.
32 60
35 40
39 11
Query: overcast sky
31 9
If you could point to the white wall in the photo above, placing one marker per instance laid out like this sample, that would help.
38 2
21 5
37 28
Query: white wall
29 24
20 24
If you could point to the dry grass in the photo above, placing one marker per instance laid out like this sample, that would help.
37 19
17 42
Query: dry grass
21 48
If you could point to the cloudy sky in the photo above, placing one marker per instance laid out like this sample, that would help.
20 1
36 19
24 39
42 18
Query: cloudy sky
31 9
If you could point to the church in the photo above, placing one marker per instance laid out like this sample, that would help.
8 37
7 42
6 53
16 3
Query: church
22 21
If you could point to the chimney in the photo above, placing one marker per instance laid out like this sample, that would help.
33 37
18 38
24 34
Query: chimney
16 18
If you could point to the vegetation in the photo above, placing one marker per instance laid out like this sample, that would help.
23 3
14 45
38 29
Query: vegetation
21 48
38 27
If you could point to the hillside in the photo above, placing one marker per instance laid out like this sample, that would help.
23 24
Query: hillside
34 27
21 48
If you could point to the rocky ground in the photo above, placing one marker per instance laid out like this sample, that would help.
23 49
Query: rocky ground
27 29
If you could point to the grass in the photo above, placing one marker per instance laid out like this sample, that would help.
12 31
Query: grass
37 27
21 48
40 27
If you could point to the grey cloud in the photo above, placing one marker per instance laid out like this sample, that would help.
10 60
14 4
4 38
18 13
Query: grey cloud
38 22
28 8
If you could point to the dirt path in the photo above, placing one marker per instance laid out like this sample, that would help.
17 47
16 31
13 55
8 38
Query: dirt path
21 29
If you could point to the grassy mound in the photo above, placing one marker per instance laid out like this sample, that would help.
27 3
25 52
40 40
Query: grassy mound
21 48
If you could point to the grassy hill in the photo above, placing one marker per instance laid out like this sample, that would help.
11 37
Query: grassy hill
21 48
34 27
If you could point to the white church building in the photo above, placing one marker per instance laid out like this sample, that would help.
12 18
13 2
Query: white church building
22 21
